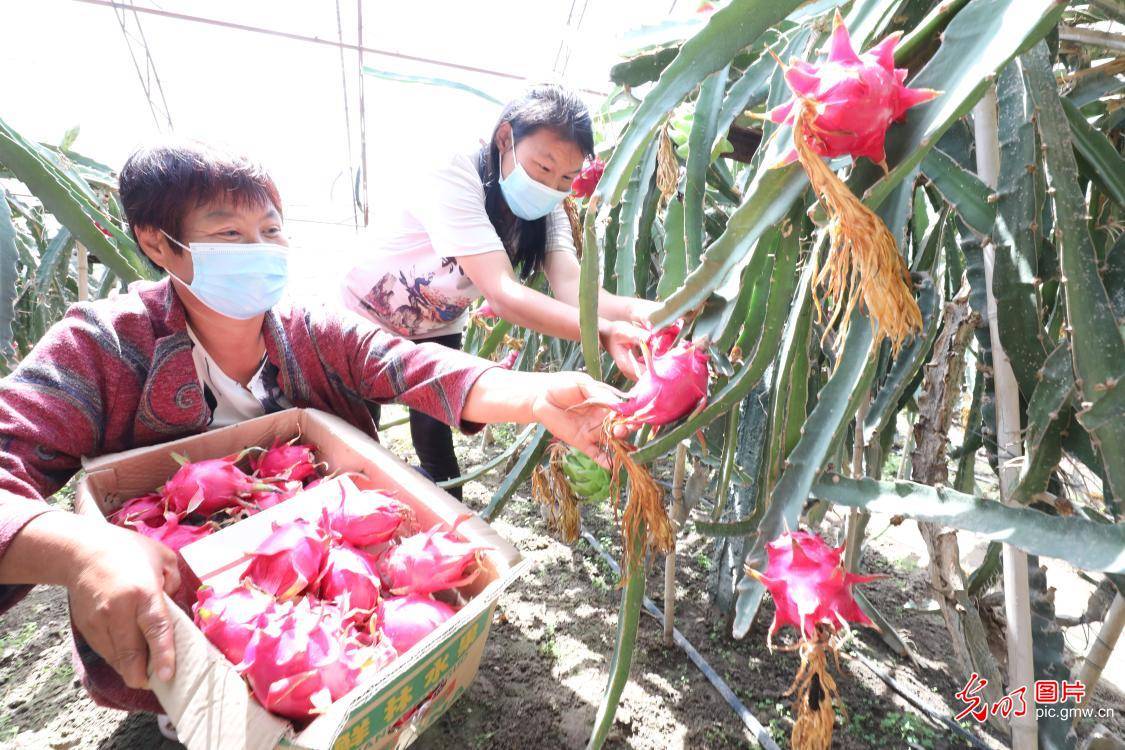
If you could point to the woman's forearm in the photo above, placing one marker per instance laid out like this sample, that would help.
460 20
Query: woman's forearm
501 395
529 308
615 307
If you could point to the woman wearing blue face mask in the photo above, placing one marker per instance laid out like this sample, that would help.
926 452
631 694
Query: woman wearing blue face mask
483 223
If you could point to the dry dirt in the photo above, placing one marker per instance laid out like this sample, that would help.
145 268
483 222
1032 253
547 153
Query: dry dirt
545 667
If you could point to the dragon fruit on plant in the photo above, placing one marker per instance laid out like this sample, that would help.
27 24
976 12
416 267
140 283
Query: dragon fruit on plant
856 96
673 385
844 107
812 592
587 180
809 584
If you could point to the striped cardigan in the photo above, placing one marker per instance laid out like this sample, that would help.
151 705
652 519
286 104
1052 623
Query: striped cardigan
118 373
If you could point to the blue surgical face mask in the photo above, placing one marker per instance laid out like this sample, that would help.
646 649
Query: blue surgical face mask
238 280
528 198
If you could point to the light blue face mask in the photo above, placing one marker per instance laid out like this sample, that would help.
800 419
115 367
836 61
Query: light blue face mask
238 280
528 198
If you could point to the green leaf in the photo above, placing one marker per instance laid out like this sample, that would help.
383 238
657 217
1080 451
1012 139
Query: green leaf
68 139
528 460
1047 416
767 201
627 621
906 366
9 256
703 131
1096 346
1105 163
729 30
588 291
68 199
963 189
1084 544
674 268
977 43
1019 315
632 206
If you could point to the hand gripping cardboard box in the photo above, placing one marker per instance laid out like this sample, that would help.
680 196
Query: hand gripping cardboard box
207 700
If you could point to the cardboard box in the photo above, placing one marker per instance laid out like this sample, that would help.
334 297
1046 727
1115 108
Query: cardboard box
207 700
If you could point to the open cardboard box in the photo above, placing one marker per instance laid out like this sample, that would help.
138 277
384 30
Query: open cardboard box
207 700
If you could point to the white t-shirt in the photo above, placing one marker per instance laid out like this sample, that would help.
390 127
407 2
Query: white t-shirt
407 280
234 402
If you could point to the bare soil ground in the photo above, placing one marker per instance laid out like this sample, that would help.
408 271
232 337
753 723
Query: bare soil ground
546 663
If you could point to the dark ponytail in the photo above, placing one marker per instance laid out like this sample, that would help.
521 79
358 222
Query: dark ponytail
543 106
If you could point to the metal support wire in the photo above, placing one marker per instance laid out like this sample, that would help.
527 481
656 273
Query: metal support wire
362 116
317 40
347 109
150 73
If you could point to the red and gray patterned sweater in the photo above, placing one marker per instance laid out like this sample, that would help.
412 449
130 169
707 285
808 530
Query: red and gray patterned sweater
118 373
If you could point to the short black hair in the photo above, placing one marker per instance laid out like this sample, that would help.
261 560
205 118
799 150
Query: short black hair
160 183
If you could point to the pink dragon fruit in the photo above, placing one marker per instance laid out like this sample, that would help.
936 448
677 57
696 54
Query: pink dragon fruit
173 534
280 491
289 559
207 487
302 660
368 517
428 562
673 385
147 509
348 579
509 360
405 620
809 584
660 342
485 312
285 461
584 184
857 97
229 620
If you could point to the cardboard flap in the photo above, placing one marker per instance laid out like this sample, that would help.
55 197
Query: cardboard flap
207 700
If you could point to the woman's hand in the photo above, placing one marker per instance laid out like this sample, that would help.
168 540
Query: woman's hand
642 310
622 341
574 407
117 602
